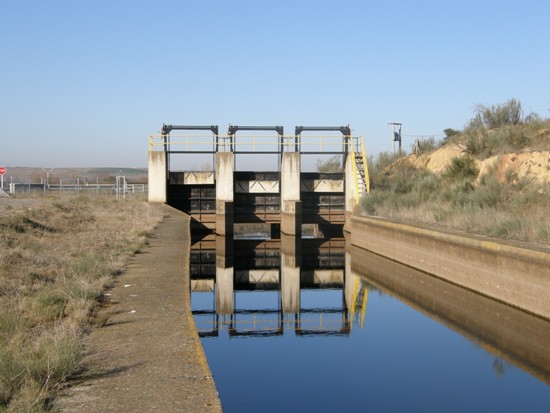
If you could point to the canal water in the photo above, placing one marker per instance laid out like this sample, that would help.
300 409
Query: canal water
315 326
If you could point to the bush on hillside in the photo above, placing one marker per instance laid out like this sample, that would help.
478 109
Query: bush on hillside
496 116
501 129
461 167
426 144
379 168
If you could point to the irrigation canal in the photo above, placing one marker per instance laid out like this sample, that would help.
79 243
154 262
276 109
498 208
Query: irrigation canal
290 326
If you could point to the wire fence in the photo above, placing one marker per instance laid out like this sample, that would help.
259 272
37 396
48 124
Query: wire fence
120 188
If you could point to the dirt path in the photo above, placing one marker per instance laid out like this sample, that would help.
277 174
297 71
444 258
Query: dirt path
148 356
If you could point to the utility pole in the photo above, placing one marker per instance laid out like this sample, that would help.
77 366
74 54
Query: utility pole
395 135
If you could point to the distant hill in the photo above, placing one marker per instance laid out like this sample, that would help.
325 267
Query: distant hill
69 175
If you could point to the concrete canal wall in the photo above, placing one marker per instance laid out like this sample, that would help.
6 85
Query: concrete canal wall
511 273
516 336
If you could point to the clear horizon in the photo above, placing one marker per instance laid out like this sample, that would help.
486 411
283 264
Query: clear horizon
83 84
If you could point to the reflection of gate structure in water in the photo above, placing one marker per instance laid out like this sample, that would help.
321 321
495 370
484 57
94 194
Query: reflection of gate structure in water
257 287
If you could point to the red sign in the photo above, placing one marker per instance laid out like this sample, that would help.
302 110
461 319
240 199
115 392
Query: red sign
2 170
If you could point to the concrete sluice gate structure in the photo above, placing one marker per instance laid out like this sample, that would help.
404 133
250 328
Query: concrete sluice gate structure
279 230
284 199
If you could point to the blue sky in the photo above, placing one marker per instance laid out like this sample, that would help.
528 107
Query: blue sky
83 83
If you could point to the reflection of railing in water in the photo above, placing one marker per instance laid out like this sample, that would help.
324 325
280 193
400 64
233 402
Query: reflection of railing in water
258 326
280 272
323 326
256 323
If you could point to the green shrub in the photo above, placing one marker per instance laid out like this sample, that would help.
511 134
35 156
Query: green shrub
506 139
330 165
475 141
496 116
458 193
373 200
426 184
426 144
461 167
450 134
379 168
488 194
401 185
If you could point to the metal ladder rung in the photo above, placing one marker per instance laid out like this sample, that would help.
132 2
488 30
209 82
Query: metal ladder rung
360 170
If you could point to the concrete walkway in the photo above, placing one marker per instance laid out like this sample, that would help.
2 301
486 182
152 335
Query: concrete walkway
148 357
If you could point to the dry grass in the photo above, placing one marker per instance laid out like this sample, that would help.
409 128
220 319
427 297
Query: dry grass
510 210
57 256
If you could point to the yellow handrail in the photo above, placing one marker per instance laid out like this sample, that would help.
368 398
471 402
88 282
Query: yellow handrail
325 143
365 300
366 168
353 301
355 177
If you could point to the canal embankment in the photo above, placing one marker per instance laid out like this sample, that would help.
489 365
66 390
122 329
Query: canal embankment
148 356
516 336
517 274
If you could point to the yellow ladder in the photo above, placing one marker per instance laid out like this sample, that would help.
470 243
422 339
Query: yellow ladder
360 298
360 169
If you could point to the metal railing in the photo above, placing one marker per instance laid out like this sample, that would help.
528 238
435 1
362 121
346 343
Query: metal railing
354 146
119 189
305 144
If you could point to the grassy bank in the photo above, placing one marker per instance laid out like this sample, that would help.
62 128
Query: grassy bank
504 210
493 202
57 256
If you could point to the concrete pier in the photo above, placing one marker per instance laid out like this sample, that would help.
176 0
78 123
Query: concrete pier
291 207
225 303
225 163
349 192
290 274
157 178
